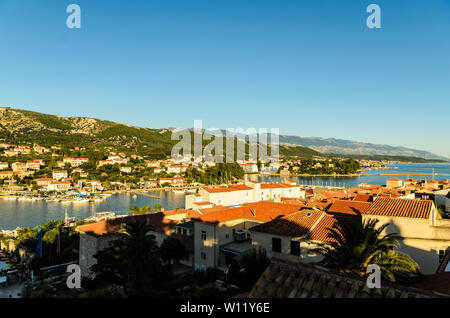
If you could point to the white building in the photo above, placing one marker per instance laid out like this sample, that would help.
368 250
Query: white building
245 193
60 174
75 162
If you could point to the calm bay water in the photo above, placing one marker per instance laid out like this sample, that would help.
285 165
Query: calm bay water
31 213
14 213
372 175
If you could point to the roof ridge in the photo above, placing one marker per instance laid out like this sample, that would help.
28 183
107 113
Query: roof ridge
315 224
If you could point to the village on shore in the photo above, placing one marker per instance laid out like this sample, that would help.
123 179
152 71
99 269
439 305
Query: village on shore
232 214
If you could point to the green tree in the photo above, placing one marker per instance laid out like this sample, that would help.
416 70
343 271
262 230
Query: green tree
358 244
135 210
132 261
172 250
246 272
27 238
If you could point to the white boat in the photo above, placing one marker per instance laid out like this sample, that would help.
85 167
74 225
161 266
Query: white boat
66 202
178 191
10 198
81 201
101 216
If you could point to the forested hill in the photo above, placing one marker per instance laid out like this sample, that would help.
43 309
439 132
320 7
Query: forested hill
26 127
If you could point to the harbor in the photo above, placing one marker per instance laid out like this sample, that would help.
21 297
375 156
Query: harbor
30 210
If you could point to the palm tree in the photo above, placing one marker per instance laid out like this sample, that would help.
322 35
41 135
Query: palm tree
357 244
135 210
140 251
132 261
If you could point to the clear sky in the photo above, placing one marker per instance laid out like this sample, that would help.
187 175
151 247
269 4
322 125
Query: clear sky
310 68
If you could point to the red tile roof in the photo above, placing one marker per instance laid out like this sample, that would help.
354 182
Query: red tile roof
410 208
261 211
363 198
277 186
156 222
340 194
288 279
322 230
295 225
394 179
203 203
238 187
347 207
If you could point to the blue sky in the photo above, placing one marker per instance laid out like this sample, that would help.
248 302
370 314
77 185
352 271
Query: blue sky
310 68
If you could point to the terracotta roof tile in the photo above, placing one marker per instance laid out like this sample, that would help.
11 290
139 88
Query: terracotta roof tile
155 221
261 211
410 208
363 198
285 279
237 187
294 225
347 207
321 231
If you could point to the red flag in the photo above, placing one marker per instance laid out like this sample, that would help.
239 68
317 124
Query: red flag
58 242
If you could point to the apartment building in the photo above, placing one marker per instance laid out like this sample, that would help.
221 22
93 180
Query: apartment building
425 235
222 233
394 183
294 236
96 237
58 186
245 193
60 174
75 162
19 166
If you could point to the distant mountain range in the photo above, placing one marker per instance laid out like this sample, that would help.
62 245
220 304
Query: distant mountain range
349 147
17 126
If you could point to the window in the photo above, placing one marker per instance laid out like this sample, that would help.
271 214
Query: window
179 230
184 231
276 244
203 235
295 248
203 255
